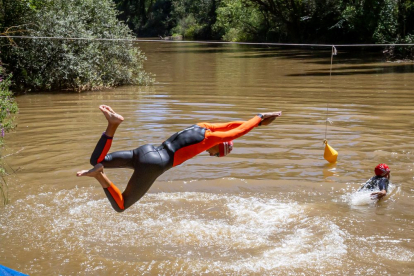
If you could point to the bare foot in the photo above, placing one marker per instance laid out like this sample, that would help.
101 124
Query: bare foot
98 169
111 115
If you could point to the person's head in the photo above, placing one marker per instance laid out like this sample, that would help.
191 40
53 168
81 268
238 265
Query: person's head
221 149
382 170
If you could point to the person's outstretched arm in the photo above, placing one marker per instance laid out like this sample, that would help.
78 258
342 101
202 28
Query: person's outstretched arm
224 136
266 120
213 138
379 194
221 126
383 186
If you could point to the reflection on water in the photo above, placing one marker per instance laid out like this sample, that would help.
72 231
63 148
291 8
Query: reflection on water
272 207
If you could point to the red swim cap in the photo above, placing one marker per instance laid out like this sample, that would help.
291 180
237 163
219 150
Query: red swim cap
225 148
382 170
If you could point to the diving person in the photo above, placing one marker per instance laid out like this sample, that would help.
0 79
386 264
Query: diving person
149 161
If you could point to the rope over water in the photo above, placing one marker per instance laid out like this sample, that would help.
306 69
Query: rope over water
203 42
333 53
330 154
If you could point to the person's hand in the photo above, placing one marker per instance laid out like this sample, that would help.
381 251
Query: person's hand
270 117
378 195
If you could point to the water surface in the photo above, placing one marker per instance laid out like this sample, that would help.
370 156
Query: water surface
272 207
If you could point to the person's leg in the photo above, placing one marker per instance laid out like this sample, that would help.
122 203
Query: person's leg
105 142
135 190
119 159
112 192
139 183
114 119
116 159
98 173
149 163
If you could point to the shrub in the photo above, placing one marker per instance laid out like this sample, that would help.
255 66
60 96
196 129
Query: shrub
53 64
187 27
8 108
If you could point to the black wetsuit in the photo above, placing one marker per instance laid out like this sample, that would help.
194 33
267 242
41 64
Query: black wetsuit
149 162
376 182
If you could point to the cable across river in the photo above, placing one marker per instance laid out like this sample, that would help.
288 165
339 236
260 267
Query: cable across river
206 42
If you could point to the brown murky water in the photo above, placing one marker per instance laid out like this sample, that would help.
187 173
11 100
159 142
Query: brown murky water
273 207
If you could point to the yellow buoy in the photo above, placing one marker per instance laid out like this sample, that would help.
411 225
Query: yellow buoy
330 154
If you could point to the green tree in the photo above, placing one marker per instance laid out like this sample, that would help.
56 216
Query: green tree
146 17
237 21
396 25
287 14
44 64
194 18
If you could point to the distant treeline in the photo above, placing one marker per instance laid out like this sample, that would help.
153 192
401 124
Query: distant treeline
299 21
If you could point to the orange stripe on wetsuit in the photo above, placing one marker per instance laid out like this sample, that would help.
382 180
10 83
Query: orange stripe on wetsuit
98 155
215 134
101 149
105 150
116 195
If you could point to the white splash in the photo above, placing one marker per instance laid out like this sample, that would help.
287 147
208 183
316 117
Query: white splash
363 197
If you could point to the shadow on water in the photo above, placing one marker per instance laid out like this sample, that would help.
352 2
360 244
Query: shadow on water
215 48
359 70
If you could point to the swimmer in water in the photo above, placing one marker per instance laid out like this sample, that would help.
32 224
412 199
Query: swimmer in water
149 162
380 180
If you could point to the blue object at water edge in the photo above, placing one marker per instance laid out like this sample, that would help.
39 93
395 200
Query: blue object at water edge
5 271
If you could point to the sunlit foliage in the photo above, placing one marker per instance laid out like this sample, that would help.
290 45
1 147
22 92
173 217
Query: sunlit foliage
8 108
295 21
240 22
52 64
